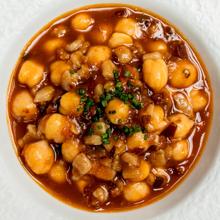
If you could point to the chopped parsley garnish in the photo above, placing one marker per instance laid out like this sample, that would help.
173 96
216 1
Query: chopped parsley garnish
136 104
128 131
105 136
90 131
81 92
145 137
127 73
88 104
116 75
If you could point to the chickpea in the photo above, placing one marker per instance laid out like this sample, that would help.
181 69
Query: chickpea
199 99
117 111
31 73
119 39
182 74
128 26
101 33
83 182
56 128
109 86
157 120
157 46
182 103
135 192
155 73
108 68
137 174
70 148
70 104
93 140
137 140
39 156
82 22
99 127
184 125
51 45
57 69
124 54
58 172
152 56
44 95
23 106
180 150
98 54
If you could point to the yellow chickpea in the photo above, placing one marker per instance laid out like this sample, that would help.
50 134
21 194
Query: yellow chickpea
83 182
39 156
57 69
157 120
119 39
98 54
152 56
184 125
155 73
23 106
124 54
137 174
70 148
56 128
137 140
128 26
101 33
182 74
31 73
70 104
180 150
53 44
58 172
157 46
108 68
98 91
117 111
135 192
199 99
82 22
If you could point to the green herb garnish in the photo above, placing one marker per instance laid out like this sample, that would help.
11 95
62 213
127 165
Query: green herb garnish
105 136
128 131
127 73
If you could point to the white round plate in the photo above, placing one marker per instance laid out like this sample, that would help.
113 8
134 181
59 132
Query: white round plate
36 202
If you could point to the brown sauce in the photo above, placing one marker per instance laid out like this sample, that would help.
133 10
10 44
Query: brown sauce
153 28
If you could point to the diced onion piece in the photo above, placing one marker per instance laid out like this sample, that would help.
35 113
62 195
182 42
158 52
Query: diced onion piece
44 95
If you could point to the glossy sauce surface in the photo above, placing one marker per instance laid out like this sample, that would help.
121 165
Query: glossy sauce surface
132 87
